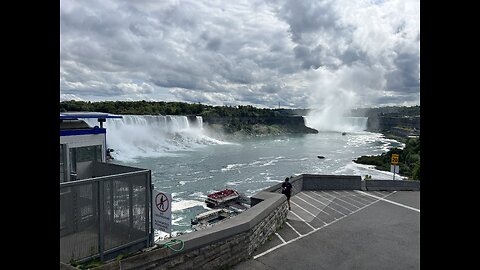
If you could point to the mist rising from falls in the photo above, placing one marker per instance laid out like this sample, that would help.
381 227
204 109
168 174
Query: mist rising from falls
323 121
136 136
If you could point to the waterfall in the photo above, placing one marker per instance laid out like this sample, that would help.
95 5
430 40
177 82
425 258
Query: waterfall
336 123
136 136
356 123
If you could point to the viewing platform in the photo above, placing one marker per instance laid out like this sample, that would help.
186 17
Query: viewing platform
345 229
335 222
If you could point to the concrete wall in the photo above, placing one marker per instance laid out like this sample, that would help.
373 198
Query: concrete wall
331 182
391 185
297 184
315 182
219 246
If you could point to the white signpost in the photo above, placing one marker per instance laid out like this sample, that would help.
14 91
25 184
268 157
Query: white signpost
394 167
162 211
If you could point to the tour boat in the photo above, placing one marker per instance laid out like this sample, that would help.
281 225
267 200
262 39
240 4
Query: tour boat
221 197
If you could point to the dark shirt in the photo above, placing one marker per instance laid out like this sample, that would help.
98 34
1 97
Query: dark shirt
286 188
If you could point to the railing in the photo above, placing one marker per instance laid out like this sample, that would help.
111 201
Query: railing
106 215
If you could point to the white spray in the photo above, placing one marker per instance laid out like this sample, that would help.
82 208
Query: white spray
333 96
136 136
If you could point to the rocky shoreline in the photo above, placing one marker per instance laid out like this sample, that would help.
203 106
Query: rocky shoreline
409 160
258 126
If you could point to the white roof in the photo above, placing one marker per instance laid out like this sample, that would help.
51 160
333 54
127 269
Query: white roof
209 213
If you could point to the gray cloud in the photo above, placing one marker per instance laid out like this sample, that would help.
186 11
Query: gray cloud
308 18
247 52
406 76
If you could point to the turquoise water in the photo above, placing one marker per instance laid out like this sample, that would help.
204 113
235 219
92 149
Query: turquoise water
248 165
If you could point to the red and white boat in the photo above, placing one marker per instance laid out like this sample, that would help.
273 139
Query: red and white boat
224 204
221 198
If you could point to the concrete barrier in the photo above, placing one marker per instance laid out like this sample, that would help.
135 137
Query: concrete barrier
331 182
391 185
297 184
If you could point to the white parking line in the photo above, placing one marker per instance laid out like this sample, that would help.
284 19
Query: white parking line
350 210
301 236
359 196
392 202
293 228
280 238
313 215
341 200
303 220
350 198
273 248
311 205
378 193
326 205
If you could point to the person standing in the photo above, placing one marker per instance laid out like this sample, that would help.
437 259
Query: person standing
287 190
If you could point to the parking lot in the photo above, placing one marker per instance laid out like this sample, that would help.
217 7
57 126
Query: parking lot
345 229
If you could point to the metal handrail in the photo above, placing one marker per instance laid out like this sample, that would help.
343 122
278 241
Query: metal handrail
101 178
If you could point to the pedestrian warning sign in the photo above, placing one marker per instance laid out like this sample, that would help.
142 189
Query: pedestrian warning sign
395 158
162 211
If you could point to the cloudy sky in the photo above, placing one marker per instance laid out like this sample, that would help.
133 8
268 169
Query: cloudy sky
301 54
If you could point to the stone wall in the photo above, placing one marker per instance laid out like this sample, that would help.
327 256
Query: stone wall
219 246
266 227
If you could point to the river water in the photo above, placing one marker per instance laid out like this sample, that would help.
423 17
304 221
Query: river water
189 161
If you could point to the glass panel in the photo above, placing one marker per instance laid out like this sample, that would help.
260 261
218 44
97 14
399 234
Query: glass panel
89 153
73 163
63 168
80 158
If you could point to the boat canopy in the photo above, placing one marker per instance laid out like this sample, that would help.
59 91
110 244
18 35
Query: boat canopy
210 213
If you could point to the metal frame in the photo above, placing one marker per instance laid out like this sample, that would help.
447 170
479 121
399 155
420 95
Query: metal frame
99 183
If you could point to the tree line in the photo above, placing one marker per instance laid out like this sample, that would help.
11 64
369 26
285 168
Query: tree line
166 108
181 108
409 159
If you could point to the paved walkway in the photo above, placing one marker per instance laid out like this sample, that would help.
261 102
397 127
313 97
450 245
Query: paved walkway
345 230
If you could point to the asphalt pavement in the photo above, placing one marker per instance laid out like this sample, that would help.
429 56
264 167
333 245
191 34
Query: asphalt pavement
345 230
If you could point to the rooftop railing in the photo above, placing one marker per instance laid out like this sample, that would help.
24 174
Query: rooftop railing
106 214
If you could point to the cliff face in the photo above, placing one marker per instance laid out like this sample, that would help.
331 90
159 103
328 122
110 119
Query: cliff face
277 120
381 123
399 120
259 125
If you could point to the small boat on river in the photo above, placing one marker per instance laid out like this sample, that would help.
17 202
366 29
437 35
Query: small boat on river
225 204
222 197
209 218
